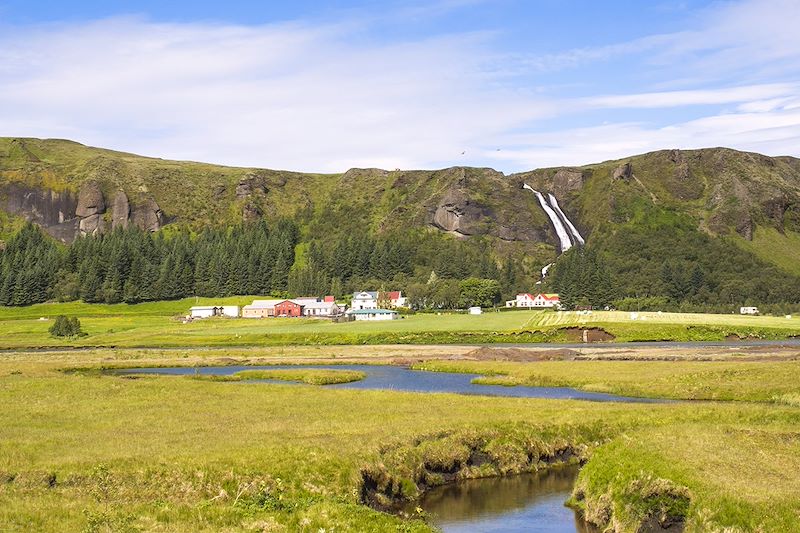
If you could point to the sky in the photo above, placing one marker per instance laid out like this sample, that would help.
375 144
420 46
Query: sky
322 86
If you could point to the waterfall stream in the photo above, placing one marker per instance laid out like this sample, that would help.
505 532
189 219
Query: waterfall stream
572 228
561 231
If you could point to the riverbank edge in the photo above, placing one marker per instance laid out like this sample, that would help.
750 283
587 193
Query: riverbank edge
405 472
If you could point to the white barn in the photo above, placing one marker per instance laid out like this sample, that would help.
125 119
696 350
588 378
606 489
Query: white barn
208 311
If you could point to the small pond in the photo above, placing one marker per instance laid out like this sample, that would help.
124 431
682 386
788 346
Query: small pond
528 503
397 378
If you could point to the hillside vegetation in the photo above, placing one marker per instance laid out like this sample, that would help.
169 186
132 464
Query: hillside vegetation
699 229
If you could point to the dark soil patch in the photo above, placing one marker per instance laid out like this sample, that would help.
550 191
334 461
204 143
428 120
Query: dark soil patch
575 334
485 353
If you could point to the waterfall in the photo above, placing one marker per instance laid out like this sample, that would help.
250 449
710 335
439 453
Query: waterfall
563 216
561 231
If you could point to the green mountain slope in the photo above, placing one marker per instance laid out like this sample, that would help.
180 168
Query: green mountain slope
685 209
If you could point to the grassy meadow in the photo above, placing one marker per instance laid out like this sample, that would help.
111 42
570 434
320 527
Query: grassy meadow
158 324
85 451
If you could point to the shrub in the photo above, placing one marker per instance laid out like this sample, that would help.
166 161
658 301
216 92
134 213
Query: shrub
66 327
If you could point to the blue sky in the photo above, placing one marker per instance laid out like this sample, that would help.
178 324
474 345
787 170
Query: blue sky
325 86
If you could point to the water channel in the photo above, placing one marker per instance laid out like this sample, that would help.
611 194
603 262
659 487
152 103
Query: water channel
530 503
398 378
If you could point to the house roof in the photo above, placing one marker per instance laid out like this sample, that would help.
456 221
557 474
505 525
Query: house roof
550 296
372 294
529 295
262 304
293 302
393 295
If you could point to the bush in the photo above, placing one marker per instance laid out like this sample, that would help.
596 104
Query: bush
66 327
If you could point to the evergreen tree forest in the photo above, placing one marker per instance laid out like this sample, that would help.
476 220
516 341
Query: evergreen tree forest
131 266
630 270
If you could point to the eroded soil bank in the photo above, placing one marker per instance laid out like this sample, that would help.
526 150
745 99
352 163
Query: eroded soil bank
406 472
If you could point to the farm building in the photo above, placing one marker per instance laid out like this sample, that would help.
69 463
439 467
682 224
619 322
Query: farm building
395 298
527 300
748 310
325 309
288 308
373 314
208 311
475 311
260 309
308 306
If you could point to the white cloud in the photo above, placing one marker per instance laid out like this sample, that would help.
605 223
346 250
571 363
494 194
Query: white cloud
287 96
325 98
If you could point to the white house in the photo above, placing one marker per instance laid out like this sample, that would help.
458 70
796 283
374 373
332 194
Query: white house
207 311
373 314
364 300
748 310
326 309
475 310
527 300
395 298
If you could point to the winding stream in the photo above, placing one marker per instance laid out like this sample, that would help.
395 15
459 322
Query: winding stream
397 378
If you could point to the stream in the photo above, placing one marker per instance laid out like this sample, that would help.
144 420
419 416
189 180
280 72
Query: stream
524 503
398 378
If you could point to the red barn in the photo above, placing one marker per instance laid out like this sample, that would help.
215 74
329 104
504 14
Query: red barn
288 308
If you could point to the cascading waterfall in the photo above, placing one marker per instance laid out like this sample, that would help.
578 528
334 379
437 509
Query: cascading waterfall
561 231
575 233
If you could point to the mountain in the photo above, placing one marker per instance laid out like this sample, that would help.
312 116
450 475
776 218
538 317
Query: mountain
683 208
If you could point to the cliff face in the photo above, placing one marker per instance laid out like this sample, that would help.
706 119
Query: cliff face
70 190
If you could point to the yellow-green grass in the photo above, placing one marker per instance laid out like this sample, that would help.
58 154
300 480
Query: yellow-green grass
782 249
155 325
80 451
309 376
759 381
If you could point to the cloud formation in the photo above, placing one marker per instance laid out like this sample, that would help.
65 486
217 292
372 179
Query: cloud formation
316 97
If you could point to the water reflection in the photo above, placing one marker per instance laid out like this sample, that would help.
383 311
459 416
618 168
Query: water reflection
529 503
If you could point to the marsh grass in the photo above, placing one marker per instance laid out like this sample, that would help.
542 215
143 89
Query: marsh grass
761 381
309 376
88 451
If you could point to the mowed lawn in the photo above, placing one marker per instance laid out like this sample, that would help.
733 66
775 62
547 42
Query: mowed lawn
159 324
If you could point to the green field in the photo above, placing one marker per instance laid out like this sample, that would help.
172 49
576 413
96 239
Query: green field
83 451
158 325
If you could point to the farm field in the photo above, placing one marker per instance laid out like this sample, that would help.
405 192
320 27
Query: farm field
93 452
157 324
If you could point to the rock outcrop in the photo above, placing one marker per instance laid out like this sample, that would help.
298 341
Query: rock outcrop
92 225
457 213
566 181
53 211
148 216
120 210
90 200
623 172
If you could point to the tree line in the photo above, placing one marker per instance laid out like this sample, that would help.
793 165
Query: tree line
131 266
633 269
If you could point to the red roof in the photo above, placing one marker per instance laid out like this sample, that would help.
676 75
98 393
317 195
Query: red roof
550 297
393 295
329 299
529 295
